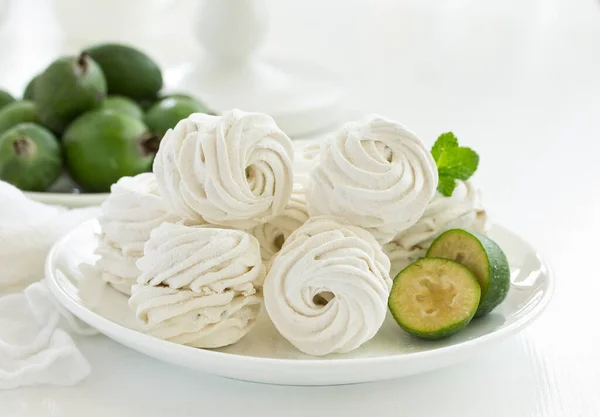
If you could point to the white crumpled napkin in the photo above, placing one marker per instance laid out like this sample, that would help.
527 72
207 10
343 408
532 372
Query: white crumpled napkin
34 347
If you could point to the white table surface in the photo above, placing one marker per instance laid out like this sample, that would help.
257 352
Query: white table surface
519 81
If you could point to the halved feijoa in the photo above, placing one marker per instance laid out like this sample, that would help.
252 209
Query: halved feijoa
483 257
434 298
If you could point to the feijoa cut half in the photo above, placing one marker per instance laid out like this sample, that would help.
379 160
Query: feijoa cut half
483 257
434 298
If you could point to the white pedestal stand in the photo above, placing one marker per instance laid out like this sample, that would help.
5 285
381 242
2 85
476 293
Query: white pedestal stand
301 98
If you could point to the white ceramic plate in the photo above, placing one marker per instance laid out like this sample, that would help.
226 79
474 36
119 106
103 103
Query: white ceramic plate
69 199
264 356
64 192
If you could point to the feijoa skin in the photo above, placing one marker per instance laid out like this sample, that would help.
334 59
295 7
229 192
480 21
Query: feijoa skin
102 146
5 98
17 112
483 257
434 298
69 87
124 105
129 72
29 93
165 114
30 157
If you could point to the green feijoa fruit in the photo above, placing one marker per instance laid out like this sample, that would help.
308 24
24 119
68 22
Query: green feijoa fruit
28 94
21 111
129 72
30 157
69 87
165 114
483 257
5 98
434 298
124 105
102 146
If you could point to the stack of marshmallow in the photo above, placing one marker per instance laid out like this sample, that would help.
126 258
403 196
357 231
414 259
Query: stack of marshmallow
235 212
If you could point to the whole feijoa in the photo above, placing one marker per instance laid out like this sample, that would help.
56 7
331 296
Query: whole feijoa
21 111
123 105
29 92
5 98
129 72
67 88
30 157
102 146
165 114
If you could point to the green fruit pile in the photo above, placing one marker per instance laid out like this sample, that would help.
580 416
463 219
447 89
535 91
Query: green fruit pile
85 114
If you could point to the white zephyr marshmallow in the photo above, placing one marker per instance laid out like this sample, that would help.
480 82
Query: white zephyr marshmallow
274 233
200 285
462 210
231 170
133 208
375 174
327 290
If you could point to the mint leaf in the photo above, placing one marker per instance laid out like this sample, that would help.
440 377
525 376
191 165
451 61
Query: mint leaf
446 185
444 142
453 162
460 163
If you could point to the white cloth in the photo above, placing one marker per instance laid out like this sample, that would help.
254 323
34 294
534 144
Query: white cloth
34 346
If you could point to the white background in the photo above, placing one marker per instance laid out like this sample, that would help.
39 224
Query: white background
517 80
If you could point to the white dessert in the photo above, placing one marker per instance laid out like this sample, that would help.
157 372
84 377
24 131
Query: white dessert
127 217
233 170
462 210
375 174
200 285
327 290
306 156
273 234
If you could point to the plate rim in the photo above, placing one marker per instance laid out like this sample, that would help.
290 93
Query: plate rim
67 199
88 315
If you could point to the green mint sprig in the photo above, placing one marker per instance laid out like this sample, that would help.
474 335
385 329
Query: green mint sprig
453 162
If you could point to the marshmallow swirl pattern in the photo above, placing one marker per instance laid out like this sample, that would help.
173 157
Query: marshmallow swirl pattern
200 285
375 174
127 217
306 156
462 210
273 234
232 170
133 208
327 290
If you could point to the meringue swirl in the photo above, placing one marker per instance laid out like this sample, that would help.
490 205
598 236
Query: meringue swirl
116 268
133 208
273 234
375 174
462 210
231 170
306 156
327 290
199 285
